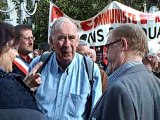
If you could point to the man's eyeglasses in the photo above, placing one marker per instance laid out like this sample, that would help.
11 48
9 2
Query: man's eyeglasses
28 38
112 43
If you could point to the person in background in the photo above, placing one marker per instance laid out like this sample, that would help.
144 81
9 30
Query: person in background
83 48
16 101
92 54
43 47
36 53
99 57
26 41
133 91
152 58
65 89
104 76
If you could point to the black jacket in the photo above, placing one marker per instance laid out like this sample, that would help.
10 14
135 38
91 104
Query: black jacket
16 100
135 95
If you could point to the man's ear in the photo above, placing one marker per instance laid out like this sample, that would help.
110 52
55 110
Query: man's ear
77 42
124 44
50 41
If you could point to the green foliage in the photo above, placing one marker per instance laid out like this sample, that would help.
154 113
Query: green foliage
3 6
40 20
85 9
81 9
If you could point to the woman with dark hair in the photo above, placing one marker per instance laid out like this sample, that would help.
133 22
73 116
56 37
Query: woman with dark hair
16 101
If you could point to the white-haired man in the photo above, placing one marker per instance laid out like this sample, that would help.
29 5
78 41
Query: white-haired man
65 88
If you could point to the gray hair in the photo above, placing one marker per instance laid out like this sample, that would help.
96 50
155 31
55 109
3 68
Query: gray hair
83 43
58 23
135 35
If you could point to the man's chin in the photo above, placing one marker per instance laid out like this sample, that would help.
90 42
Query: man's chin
67 59
28 51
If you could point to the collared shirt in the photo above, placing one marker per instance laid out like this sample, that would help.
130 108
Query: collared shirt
27 59
63 93
112 78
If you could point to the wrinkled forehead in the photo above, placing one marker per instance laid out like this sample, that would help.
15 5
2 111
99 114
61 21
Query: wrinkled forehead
65 26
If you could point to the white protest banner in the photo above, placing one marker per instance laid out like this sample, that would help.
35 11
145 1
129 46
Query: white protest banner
95 29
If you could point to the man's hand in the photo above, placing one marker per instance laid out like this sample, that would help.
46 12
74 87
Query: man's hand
33 79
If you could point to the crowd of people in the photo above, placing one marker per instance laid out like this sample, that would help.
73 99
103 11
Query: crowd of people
69 84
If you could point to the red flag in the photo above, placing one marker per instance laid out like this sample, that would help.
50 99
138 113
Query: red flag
56 13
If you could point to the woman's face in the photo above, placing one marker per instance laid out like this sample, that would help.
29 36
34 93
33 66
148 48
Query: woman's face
7 56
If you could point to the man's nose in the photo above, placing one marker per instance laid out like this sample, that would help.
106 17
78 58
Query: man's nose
67 41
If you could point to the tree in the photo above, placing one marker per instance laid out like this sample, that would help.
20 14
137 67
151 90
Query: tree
3 5
40 20
85 9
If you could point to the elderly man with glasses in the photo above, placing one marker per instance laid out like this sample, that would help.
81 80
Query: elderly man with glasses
133 91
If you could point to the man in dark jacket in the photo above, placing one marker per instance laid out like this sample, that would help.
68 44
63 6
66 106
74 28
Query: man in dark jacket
133 92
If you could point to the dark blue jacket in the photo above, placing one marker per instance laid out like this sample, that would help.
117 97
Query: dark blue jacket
135 95
16 100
